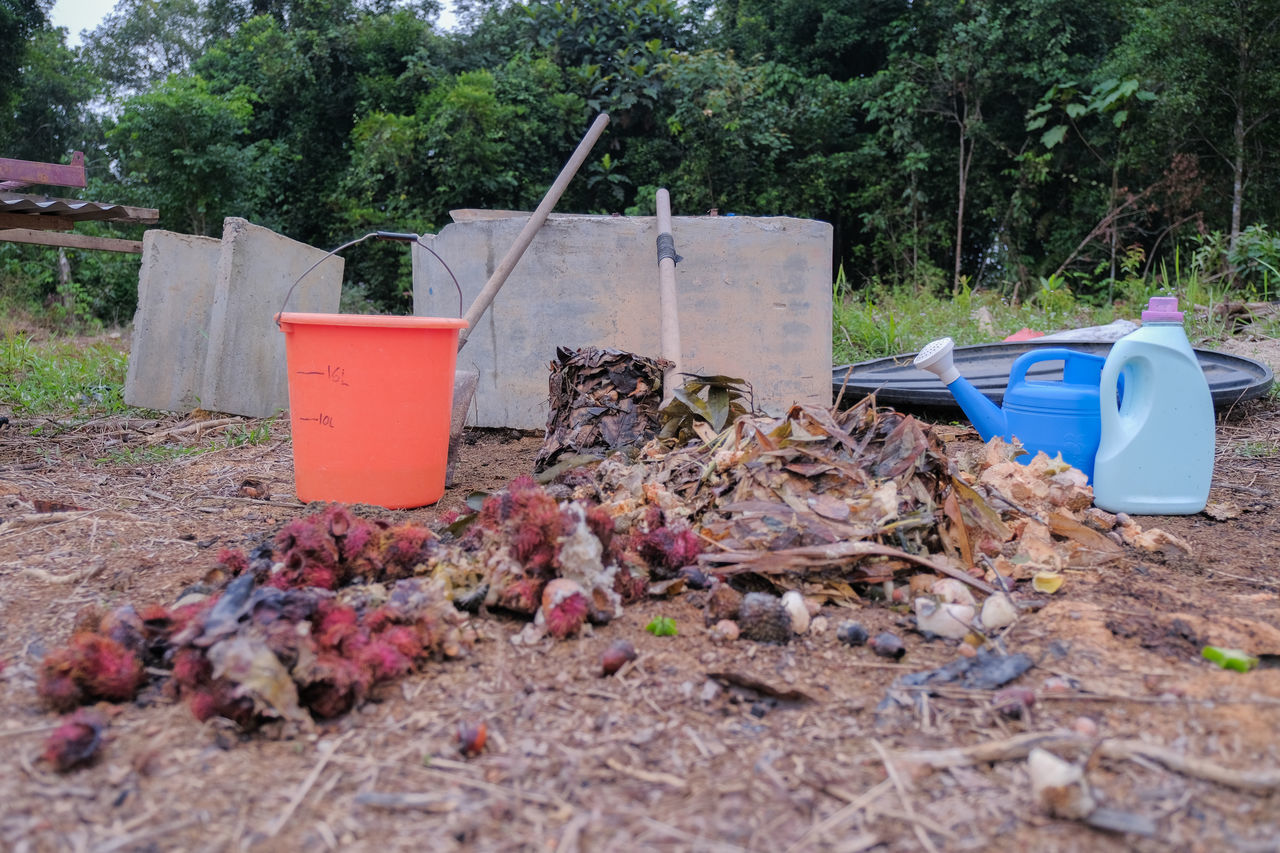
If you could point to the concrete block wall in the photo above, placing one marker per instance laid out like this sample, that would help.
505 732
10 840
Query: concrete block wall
244 369
754 298
171 324
204 333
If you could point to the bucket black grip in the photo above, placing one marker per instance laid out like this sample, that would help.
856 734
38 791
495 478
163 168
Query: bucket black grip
397 236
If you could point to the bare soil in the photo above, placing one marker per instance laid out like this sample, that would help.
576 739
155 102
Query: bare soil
670 753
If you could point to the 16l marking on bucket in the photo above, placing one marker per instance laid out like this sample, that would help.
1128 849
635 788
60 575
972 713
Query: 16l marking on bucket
335 373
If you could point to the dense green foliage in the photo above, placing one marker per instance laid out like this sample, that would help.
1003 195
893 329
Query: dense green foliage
1038 149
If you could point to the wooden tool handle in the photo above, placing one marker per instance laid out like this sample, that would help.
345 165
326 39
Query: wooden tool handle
509 261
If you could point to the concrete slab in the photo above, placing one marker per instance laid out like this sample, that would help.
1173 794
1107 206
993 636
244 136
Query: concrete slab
244 368
754 298
171 325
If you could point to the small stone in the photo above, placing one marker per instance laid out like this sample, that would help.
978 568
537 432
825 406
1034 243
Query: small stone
764 619
1014 702
793 602
952 591
998 611
888 645
694 578
614 657
943 620
726 631
1059 786
818 625
1085 726
851 633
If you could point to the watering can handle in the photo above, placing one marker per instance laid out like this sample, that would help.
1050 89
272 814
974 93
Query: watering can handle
1078 368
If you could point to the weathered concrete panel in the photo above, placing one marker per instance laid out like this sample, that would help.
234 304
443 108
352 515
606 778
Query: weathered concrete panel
171 325
754 298
244 369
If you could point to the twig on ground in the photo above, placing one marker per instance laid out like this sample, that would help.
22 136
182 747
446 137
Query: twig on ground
646 775
1019 746
842 814
921 833
197 428
327 751
434 803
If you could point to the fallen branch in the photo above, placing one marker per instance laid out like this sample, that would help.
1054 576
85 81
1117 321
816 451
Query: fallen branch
786 560
197 428
433 803
646 775
1130 749
327 752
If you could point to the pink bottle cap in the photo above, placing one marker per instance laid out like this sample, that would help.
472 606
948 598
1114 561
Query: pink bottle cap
1162 309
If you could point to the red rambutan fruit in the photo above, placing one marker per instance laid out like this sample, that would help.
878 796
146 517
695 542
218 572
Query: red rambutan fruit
308 542
521 594
234 560
668 550
564 607
404 639
76 741
98 666
331 685
334 623
383 662
191 668
219 698
603 526
404 547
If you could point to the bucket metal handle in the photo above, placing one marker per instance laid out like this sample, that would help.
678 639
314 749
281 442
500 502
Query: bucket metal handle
395 236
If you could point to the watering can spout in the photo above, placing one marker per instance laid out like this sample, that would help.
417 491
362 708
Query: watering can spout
987 418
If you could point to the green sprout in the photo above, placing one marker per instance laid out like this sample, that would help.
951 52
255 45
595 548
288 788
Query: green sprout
662 626
1236 659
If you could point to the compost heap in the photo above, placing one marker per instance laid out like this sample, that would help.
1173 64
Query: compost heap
821 501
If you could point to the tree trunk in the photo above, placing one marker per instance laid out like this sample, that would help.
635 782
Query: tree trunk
1237 174
964 180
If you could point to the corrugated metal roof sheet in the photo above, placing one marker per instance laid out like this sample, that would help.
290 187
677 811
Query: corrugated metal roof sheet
78 211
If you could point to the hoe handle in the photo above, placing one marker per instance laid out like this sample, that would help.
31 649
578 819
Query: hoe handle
509 261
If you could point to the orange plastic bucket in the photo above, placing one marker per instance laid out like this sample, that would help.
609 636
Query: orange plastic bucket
369 404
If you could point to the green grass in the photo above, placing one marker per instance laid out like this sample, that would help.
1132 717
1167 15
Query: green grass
130 456
59 377
1258 450
873 324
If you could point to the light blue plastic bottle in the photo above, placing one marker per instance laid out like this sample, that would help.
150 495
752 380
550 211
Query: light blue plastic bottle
1155 454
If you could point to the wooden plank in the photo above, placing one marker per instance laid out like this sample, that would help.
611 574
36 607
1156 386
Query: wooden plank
36 222
70 241
54 174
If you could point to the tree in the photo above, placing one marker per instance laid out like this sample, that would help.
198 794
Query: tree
19 20
185 148
843 39
1212 64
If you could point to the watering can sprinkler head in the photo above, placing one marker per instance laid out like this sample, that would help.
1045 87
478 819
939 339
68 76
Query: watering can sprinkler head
986 417
937 359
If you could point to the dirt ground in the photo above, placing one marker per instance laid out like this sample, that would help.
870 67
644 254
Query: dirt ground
673 752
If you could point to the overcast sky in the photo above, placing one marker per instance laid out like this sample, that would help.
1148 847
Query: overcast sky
77 15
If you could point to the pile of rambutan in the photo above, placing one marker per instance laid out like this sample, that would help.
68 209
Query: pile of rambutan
311 624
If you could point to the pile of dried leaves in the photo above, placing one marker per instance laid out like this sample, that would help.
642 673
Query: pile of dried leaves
601 400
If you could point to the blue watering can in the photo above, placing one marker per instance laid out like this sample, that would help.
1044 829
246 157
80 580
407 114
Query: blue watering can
1053 416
